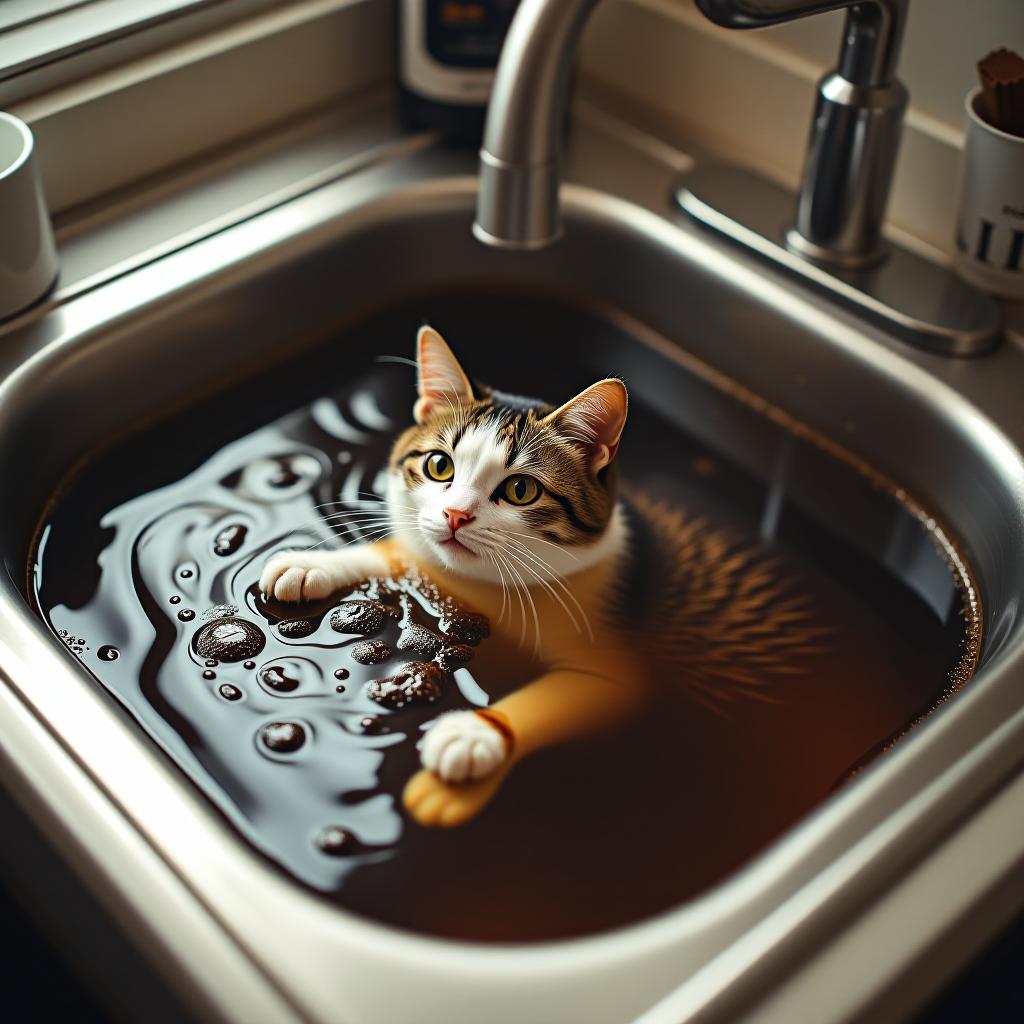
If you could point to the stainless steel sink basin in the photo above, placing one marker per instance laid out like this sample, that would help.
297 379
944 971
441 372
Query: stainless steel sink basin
241 940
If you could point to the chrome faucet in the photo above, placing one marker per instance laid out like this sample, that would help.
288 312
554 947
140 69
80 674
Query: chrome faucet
519 173
835 239
855 131
850 159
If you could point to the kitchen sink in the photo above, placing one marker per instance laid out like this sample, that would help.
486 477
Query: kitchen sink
794 392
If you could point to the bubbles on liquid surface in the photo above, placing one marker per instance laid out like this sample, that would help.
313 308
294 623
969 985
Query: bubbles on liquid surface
467 627
229 640
420 640
296 629
108 653
363 618
372 652
416 682
75 644
220 611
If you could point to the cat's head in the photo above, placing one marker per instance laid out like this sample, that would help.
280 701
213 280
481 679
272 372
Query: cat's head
503 488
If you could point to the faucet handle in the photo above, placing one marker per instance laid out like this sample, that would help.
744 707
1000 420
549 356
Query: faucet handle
855 131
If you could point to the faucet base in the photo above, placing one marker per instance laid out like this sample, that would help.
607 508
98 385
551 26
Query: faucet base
920 302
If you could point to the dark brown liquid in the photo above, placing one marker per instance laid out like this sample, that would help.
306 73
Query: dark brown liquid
579 839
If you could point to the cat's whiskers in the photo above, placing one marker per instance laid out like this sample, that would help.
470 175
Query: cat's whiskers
503 555
532 570
517 591
376 511
558 580
552 577
355 515
501 576
541 540
397 359
358 531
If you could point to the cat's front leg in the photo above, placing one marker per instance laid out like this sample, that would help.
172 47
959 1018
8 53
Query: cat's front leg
312 575
465 757
467 754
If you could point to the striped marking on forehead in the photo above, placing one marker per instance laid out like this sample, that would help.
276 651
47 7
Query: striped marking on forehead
510 430
477 447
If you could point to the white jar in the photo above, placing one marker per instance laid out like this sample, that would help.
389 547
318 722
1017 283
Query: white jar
28 258
990 224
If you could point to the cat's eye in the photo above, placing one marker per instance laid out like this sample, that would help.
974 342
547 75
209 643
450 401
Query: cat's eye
520 490
439 467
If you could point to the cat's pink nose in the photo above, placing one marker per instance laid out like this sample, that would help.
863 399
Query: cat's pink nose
456 518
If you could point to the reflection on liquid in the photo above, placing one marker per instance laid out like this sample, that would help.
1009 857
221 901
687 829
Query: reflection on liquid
300 725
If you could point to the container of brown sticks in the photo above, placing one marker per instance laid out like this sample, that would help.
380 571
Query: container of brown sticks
990 223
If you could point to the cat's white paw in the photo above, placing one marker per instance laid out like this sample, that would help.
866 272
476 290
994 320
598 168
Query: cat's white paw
300 575
461 746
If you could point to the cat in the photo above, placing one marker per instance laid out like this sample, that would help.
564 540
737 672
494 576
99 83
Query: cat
511 504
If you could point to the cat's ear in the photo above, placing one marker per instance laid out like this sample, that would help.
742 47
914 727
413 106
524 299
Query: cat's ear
442 382
594 419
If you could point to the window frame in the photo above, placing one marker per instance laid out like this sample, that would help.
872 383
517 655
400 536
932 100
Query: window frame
110 114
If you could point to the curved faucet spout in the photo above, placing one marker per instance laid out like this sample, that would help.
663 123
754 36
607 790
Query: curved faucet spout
519 172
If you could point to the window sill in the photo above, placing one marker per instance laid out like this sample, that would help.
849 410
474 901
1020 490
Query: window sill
112 129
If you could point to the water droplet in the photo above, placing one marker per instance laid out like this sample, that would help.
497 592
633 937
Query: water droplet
229 692
186 615
230 539
283 737
249 665
341 673
339 688
209 674
175 599
108 653
335 841
229 640
211 663
371 724
275 677
186 574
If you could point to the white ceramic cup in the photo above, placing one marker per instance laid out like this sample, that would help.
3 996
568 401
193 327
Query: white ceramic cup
28 256
990 223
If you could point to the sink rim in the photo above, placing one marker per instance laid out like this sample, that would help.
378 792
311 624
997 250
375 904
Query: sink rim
81 326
